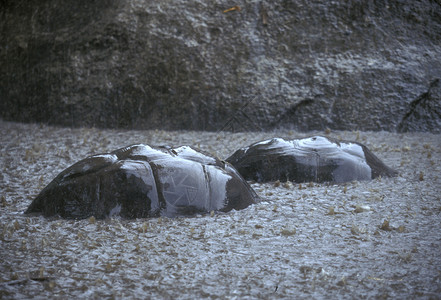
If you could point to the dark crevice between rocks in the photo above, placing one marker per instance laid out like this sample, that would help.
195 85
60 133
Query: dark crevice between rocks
159 188
424 112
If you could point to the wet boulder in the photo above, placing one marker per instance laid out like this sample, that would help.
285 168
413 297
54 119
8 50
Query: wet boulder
140 181
312 159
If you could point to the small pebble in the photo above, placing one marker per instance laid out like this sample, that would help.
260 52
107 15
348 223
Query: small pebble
362 208
331 211
385 226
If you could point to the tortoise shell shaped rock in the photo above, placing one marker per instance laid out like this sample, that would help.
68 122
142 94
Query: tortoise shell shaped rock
140 181
312 159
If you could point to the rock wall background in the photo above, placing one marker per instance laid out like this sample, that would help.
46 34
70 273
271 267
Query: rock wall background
177 64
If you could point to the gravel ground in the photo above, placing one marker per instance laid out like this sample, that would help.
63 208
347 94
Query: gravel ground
357 240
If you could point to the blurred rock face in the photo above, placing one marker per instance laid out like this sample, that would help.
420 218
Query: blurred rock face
189 65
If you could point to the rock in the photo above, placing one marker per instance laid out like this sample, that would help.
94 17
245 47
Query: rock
424 113
313 159
304 65
140 181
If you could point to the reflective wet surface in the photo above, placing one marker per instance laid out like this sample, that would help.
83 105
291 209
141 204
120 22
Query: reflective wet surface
378 238
139 181
312 159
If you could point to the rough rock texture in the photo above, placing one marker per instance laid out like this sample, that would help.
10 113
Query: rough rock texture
188 65
424 113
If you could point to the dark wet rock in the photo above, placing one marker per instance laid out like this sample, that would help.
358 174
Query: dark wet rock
313 159
352 65
140 181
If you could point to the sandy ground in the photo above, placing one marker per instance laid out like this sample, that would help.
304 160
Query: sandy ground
361 239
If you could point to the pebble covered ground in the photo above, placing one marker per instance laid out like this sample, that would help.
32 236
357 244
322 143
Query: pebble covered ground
379 238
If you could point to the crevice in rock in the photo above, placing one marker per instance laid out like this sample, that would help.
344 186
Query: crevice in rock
424 113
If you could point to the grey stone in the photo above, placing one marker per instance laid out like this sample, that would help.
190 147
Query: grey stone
312 159
140 181
352 65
